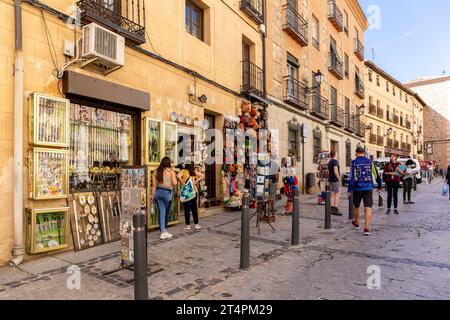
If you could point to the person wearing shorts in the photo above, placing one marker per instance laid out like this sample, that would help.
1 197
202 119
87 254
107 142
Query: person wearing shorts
334 183
363 173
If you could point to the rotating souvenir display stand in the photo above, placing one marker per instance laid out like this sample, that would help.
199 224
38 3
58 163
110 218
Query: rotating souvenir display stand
322 175
290 184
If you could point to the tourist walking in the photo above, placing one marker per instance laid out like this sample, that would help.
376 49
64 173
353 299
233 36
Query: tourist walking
189 177
163 181
391 176
334 182
363 173
408 181
447 177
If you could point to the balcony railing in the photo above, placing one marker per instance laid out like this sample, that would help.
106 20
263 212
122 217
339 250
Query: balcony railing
373 138
380 113
254 9
319 106
336 66
408 124
380 140
296 92
390 143
337 115
396 144
349 124
396 119
403 146
125 17
359 89
252 79
335 16
295 25
389 116
360 127
373 109
359 49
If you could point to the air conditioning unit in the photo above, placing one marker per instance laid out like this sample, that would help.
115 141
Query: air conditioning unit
102 47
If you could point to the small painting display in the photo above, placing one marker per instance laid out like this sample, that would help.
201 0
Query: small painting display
47 229
49 176
153 141
49 120
170 141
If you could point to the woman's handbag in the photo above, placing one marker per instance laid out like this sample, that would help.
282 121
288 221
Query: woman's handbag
187 191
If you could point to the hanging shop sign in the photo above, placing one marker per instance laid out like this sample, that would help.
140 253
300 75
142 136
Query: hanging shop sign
49 121
48 174
133 181
47 229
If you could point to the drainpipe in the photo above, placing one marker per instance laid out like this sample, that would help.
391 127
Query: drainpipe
19 248
264 36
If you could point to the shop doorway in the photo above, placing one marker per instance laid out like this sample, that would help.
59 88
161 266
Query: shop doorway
211 169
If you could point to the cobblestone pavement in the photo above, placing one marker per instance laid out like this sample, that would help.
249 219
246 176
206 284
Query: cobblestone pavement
412 252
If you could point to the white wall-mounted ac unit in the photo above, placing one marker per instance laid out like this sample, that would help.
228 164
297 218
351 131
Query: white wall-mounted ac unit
103 47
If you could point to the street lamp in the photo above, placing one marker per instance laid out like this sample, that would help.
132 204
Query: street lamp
362 109
369 126
388 132
318 77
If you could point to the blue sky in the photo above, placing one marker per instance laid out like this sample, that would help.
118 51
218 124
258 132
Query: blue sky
413 39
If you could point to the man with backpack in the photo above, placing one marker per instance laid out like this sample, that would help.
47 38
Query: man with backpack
363 173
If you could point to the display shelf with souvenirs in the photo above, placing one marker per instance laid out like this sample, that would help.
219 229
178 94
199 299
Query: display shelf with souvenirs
49 121
133 182
290 183
47 229
174 213
100 144
243 167
85 219
48 170
153 141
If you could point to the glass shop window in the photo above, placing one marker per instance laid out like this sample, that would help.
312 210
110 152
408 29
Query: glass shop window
101 142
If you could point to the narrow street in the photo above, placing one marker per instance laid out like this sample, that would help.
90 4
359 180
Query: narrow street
412 251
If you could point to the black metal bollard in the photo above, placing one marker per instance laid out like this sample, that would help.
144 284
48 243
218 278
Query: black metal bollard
295 241
327 210
245 233
351 212
140 257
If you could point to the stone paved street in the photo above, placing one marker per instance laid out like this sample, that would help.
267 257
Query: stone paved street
412 251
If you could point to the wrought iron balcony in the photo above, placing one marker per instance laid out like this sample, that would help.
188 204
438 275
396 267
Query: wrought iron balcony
408 124
360 127
390 143
319 106
373 109
335 16
336 66
295 25
380 113
337 115
254 9
359 49
404 146
380 140
252 79
359 89
296 92
125 17
396 144
373 138
396 119
349 123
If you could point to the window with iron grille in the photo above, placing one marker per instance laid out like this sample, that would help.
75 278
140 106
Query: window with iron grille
317 144
347 66
194 20
348 153
293 142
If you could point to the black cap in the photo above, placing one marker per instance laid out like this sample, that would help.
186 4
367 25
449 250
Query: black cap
360 150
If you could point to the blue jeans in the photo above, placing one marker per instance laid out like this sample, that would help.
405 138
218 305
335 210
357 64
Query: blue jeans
163 199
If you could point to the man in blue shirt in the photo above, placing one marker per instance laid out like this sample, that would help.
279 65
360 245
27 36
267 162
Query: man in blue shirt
363 173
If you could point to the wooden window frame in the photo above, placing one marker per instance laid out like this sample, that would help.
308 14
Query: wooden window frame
191 25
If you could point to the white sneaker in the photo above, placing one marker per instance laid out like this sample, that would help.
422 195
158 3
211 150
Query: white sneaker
168 235
197 226
187 228
163 236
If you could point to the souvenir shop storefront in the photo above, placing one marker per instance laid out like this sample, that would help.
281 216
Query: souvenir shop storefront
91 159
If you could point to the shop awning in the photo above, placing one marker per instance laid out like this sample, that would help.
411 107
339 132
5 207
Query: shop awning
83 85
